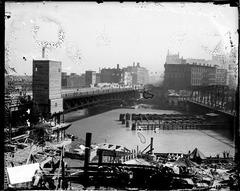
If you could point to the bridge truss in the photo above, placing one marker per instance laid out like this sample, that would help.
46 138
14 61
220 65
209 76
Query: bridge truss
82 100
218 97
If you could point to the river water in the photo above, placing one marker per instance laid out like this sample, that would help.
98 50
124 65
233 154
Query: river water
105 127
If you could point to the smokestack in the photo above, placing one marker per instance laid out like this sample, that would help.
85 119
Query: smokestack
117 66
43 52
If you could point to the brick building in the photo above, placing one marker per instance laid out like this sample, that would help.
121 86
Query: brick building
64 79
139 74
73 80
111 75
126 78
182 76
221 76
90 78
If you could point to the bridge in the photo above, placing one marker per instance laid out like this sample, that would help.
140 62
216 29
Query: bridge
84 97
215 98
79 98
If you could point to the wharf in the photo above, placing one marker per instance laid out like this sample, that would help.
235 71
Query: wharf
165 122
139 170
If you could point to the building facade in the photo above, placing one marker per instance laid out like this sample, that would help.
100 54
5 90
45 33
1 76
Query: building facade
98 78
126 78
232 74
73 80
139 74
173 59
90 78
111 75
64 79
183 76
221 76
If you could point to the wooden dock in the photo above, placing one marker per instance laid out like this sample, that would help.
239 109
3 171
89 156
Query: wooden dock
157 122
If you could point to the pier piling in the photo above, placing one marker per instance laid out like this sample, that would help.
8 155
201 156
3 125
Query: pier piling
87 155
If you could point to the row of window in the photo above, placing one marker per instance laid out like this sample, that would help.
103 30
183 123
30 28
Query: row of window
174 75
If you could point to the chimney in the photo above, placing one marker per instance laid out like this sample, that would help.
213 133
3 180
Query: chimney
138 64
117 66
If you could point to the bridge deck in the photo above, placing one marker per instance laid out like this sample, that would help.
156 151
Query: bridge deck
71 93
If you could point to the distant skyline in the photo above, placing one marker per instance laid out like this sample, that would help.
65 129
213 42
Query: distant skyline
89 36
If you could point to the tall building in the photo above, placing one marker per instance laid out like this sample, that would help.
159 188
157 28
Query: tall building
196 61
82 80
182 76
98 78
46 86
183 73
173 59
126 78
139 74
111 75
232 75
90 78
154 78
220 60
64 79
73 80
221 76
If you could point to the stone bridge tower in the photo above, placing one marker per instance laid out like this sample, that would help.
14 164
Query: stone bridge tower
46 87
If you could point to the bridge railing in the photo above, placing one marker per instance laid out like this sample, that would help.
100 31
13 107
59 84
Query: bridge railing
88 92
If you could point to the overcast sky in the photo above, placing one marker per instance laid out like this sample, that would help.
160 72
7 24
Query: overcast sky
93 36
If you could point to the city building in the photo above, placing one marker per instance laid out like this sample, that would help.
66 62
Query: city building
183 76
73 80
111 75
64 79
183 73
221 76
139 74
82 80
98 78
126 78
155 78
18 84
197 61
173 58
220 60
90 78
232 74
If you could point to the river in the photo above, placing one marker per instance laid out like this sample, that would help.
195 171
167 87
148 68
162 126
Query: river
105 127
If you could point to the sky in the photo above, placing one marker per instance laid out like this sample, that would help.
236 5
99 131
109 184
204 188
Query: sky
89 36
